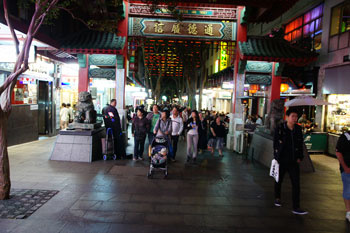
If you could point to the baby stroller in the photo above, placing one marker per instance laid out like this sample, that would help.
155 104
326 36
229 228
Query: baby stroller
158 145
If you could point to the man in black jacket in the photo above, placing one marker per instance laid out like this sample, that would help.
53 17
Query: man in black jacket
288 151
112 120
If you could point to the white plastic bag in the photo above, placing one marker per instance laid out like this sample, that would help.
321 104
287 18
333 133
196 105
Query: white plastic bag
275 169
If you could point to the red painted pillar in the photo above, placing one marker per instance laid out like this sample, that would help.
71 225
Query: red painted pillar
275 85
241 36
84 81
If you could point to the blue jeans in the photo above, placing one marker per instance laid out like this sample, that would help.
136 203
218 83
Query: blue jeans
150 137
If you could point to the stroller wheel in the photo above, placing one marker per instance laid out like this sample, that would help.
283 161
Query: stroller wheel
114 157
105 157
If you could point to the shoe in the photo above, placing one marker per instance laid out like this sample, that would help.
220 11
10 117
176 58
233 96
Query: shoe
140 158
173 160
347 216
278 203
188 159
134 159
299 212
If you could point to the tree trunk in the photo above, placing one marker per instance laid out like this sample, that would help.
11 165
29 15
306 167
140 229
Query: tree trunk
5 183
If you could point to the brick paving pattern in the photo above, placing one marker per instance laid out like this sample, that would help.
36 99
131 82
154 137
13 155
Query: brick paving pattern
24 202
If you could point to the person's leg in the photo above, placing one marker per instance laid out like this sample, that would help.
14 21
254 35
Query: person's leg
278 185
136 148
61 124
142 147
195 145
294 173
189 145
220 145
175 140
346 190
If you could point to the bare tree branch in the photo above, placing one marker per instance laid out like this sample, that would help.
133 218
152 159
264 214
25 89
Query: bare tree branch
12 30
10 79
43 15
73 16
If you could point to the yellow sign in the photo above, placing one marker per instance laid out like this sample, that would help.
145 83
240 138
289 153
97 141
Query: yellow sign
223 56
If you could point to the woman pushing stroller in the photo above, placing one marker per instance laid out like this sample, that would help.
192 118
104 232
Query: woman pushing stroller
163 128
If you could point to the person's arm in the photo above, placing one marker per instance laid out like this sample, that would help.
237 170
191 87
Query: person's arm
212 129
181 126
277 141
133 128
169 128
148 125
342 162
156 127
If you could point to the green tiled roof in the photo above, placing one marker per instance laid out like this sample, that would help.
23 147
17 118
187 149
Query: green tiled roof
275 50
94 40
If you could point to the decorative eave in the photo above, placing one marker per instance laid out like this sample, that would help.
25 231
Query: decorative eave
94 42
275 50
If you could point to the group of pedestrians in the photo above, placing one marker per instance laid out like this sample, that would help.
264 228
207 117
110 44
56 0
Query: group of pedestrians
66 115
173 123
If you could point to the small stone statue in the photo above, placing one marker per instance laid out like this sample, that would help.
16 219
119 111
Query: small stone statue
275 116
85 109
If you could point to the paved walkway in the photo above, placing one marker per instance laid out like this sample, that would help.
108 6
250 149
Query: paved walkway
217 195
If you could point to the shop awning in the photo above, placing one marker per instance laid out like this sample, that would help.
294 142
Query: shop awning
275 50
94 42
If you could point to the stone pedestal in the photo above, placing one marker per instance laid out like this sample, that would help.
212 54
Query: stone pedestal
78 145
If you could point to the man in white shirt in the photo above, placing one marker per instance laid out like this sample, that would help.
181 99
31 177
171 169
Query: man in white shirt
177 127
64 116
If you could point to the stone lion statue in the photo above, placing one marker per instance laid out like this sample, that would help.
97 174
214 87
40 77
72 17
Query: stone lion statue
275 116
85 109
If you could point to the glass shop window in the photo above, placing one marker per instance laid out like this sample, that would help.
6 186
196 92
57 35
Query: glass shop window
25 92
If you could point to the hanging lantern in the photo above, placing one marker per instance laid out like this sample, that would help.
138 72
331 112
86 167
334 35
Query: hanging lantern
284 87
253 88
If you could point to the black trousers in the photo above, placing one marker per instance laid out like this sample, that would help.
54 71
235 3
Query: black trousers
139 147
174 141
294 174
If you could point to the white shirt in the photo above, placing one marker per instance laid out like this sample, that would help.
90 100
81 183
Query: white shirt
177 125
64 114
259 121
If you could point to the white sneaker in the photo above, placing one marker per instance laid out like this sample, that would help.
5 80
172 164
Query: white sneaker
347 216
140 158
134 159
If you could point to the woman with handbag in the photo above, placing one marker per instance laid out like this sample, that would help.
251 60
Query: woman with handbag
193 127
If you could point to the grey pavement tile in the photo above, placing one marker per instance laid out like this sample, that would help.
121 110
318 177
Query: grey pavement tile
103 216
39 226
164 219
130 228
86 227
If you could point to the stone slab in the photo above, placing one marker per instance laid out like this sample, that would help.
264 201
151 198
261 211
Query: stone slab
78 146
82 132
76 125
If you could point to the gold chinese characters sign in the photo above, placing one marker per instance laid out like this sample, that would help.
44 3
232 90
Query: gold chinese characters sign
184 29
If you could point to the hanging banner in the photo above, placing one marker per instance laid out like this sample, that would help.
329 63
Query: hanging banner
142 10
209 30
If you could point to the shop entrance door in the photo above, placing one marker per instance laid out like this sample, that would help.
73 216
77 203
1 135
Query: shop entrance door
44 108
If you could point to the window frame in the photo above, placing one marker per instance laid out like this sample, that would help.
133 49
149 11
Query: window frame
303 24
340 33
